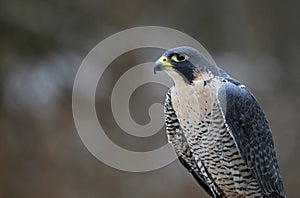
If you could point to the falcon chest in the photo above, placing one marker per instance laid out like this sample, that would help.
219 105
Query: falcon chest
201 119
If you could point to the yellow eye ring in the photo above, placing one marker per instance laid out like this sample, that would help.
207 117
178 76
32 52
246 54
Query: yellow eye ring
179 57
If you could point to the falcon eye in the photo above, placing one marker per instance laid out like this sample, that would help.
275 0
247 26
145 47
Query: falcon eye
178 57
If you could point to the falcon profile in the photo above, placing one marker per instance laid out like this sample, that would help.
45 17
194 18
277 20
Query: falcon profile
218 129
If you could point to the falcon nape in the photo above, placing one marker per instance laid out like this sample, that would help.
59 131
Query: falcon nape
218 129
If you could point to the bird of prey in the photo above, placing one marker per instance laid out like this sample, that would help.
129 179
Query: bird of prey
218 129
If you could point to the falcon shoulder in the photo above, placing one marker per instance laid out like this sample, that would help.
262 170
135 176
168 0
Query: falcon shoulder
250 130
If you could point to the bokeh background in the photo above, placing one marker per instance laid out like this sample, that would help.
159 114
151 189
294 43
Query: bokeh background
43 44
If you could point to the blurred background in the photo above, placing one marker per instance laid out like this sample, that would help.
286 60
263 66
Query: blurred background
43 44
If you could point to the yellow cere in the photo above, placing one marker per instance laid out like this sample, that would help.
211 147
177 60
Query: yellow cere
165 61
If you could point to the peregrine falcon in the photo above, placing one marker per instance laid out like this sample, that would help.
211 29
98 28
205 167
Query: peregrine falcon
218 129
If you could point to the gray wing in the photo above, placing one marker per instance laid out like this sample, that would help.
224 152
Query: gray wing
177 138
252 135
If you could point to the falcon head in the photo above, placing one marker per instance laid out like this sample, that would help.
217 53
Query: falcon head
184 64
